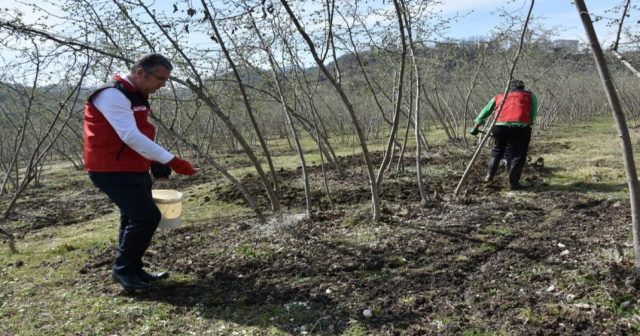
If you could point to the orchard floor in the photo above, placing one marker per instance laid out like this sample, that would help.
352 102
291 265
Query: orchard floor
546 261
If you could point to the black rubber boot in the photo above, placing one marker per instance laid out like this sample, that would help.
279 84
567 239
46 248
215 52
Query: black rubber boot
494 164
514 179
129 282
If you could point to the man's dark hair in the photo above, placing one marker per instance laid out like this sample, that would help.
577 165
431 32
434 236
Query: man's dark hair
149 62
516 84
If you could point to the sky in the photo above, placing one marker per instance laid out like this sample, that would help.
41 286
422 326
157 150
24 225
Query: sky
479 17
470 18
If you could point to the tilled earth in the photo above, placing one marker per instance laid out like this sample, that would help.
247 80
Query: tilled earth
489 261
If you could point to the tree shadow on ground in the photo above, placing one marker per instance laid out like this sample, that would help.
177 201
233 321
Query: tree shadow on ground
582 187
242 301
301 294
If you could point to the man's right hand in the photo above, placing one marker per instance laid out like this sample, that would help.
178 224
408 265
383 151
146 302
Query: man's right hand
474 131
181 166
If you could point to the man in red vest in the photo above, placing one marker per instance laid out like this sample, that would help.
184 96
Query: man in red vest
119 150
512 127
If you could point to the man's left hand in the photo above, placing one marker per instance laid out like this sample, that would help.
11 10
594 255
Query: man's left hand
160 171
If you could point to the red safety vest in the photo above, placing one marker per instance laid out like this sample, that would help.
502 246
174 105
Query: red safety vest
104 151
516 108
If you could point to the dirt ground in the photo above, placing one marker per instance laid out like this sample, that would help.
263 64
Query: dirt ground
490 261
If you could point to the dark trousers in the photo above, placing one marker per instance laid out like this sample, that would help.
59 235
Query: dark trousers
518 137
139 215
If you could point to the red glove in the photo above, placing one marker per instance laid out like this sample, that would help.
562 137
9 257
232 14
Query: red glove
181 166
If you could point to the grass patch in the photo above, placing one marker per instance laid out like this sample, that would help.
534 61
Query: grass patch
579 165
488 246
417 273
498 230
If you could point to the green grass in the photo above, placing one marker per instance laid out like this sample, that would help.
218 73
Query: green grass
499 230
591 160
40 288
488 246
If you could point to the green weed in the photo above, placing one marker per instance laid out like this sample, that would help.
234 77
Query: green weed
488 246
498 230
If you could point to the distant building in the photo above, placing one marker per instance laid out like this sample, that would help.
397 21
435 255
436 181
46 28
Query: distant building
555 45
471 43
567 44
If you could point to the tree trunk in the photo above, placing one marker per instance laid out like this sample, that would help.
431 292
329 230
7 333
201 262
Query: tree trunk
623 130
377 214
398 100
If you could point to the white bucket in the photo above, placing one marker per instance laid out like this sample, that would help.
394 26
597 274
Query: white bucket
169 203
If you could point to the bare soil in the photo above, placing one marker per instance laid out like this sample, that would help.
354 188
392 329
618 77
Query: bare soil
490 261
